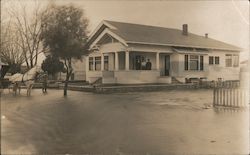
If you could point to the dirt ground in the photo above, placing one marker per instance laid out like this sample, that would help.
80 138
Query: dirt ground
169 122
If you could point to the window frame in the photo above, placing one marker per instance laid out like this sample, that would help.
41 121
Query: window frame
194 59
91 63
98 63
188 58
228 57
235 60
211 60
106 62
218 60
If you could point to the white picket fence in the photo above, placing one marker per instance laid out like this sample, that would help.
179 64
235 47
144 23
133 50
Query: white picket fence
230 94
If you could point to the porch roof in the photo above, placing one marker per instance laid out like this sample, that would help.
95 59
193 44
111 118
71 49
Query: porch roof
190 50
152 35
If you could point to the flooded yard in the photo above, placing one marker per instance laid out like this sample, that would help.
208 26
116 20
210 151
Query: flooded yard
169 122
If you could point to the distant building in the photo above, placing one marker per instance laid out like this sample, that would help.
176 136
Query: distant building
244 63
117 52
244 75
3 69
79 73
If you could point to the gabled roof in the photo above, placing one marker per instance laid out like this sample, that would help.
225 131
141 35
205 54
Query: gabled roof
153 35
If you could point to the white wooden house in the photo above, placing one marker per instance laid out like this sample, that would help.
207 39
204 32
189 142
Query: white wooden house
118 51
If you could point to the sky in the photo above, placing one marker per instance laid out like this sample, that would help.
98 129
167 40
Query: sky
225 20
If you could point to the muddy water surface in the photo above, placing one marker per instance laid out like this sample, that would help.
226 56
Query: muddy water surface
170 122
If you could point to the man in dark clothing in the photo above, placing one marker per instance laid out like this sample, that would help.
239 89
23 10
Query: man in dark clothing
45 81
148 65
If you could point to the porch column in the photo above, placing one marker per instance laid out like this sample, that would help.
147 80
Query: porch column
93 63
127 60
157 61
102 62
87 63
116 61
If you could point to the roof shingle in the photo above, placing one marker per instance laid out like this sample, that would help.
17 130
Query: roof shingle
144 34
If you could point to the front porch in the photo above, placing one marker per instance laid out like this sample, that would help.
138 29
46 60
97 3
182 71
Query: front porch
130 67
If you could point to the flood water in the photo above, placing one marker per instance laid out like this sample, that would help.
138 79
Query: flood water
169 122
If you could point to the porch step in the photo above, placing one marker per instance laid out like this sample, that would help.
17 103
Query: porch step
175 81
97 82
110 80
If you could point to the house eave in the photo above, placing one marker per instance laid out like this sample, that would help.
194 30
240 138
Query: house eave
99 26
108 31
178 45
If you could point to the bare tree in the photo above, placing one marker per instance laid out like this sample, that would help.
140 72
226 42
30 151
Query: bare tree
27 23
11 52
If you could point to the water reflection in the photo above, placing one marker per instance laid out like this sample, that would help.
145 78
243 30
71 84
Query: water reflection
171 122
222 109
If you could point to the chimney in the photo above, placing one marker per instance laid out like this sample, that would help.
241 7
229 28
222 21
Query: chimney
185 29
206 35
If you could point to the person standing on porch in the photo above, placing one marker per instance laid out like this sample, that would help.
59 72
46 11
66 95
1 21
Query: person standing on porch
148 65
138 64
143 64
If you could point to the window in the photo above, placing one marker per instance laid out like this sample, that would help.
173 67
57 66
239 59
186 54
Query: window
228 60
106 63
232 60
214 60
211 60
236 60
91 67
217 60
186 62
97 63
194 62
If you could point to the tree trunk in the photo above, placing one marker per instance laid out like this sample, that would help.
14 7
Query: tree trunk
53 76
66 84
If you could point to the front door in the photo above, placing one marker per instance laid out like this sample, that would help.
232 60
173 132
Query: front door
167 65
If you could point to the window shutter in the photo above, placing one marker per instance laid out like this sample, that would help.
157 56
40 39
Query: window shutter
186 62
201 63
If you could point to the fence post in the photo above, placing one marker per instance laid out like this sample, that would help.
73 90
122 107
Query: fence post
223 97
241 97
221 102
237 99
231 96
214 97
245 98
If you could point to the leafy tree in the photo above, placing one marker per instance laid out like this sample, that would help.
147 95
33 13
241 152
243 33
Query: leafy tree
14 68
64 34
52 65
